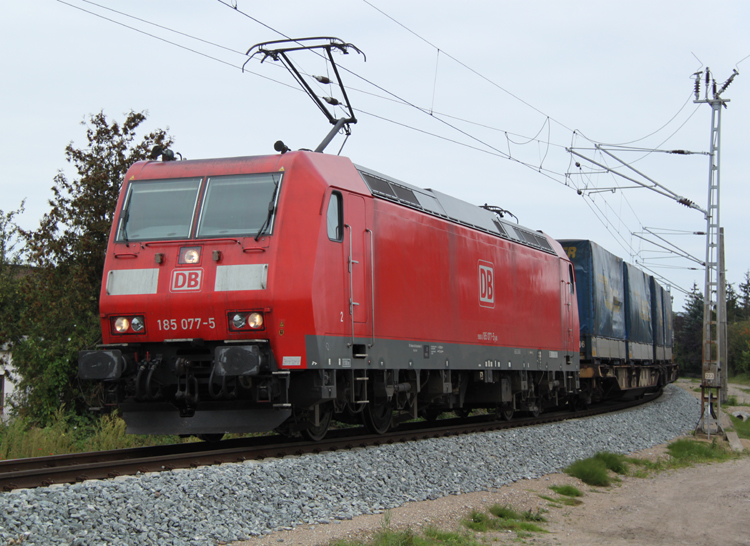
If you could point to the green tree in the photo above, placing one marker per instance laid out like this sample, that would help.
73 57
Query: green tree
11 272
744 297
738 347
67 252
688 333
734 310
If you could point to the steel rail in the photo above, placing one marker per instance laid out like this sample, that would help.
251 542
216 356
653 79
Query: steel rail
45 471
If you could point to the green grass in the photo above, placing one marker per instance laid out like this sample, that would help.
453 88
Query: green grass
429 536
590 471
19 439
742 428
567 490
733 401
558 502
742 379
685 452
690 452
613 461
505 518
594 470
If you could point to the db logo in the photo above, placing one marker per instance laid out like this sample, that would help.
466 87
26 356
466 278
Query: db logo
486 285
186 280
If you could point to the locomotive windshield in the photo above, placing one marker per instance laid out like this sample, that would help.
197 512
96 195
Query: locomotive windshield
237 205
159 209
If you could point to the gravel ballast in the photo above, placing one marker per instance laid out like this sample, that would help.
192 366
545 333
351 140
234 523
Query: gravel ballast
236 501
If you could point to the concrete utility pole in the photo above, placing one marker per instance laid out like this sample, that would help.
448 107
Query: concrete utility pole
714 298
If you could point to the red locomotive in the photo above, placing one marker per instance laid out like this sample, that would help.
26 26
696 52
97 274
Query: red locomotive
276 292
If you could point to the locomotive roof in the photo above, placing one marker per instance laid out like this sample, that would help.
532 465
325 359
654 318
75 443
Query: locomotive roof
450 208
381 186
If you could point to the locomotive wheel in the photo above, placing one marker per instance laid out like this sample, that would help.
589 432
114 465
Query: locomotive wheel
578 403
377 416
462 413
535 412
315 434
505 411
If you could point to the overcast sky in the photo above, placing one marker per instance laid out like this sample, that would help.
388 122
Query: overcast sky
525 79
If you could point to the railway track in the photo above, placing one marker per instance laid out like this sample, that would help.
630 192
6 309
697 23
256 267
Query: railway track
79 467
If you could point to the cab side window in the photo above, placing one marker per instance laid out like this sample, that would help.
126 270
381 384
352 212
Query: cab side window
335 218
572 279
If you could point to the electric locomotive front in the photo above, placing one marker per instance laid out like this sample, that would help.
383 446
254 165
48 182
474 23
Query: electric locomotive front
206 295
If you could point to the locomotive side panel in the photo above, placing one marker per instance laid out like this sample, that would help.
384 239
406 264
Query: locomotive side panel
442 282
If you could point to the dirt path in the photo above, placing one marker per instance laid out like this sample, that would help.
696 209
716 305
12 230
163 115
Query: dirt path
706 505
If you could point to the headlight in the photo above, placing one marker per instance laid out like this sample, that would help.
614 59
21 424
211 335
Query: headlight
137 324
189 255
122 325
245 320
255 321
239 320
133 324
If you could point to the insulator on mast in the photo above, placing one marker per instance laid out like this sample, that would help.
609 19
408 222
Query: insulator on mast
728 82
697 87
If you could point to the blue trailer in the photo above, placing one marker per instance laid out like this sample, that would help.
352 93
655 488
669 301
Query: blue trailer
662 322
625 318
601 300
639 325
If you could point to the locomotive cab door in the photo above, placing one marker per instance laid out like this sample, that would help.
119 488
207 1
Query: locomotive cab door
358 269
567 293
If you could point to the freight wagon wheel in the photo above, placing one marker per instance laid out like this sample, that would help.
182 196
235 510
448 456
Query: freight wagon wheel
377 415
317 433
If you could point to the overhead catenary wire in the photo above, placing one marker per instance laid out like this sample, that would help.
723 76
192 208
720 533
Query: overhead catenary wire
493 151
467 67
191 50
482 145
524 102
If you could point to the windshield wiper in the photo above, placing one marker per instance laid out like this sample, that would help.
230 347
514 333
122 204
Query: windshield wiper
124 224
270 211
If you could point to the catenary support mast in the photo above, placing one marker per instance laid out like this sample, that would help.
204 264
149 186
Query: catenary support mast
713 307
